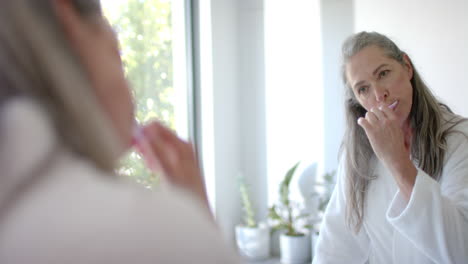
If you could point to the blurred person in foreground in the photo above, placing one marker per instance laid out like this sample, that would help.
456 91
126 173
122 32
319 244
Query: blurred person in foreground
66 117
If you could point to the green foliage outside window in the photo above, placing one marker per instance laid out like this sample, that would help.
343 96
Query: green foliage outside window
145 34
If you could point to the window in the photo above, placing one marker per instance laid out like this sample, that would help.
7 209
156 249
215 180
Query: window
152 37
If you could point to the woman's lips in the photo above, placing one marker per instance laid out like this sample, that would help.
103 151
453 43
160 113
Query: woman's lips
393 105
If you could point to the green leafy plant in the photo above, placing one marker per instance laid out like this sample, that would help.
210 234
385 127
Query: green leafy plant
328 185
326 188
286 214
249 214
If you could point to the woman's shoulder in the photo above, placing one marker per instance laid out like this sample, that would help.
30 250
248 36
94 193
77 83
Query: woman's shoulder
95 217
456 136
456 127
173 225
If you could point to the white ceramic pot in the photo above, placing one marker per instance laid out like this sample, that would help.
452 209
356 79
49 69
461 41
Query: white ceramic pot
314 238
253 243
275 242
295 249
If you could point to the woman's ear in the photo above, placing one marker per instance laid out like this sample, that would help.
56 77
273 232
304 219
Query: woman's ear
66 15
408 65
77 30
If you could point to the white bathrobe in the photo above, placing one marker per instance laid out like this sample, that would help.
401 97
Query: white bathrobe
56 207
431 228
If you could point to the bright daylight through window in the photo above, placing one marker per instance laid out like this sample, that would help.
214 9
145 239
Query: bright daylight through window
152 39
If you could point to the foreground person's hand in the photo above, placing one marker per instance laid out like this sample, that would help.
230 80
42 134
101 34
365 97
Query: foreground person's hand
175 158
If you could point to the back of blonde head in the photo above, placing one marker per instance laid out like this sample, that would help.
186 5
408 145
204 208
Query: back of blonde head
37 62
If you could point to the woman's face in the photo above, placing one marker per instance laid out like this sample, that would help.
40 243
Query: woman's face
108 78
379 81
96 45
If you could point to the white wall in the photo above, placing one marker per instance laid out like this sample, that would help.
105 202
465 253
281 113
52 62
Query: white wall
337 22
252 102
233 106
219 108
435 35
293 85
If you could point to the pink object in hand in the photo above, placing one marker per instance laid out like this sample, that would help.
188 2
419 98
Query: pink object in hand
141 143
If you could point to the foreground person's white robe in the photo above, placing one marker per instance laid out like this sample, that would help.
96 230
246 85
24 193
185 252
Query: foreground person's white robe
56 207
431 228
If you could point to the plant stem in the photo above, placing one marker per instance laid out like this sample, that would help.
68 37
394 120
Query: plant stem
290 223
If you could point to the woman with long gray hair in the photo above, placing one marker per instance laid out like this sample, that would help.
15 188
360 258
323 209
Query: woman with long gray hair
66 116
402 187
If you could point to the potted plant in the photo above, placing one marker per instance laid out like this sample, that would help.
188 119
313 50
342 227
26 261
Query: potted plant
252 238
295 242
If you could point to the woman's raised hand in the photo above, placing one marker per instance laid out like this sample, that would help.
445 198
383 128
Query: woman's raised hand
391 145
175 157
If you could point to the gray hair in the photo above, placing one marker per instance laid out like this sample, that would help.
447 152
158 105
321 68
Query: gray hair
36 62
426 119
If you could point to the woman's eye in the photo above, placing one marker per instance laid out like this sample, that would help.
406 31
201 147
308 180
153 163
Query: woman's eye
383 73
362 89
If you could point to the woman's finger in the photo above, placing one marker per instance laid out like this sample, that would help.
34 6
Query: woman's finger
182 148
380 115
364 123
146 150
163 152
371 117
388 112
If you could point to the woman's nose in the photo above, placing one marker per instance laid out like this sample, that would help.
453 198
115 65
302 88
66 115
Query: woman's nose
381 93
